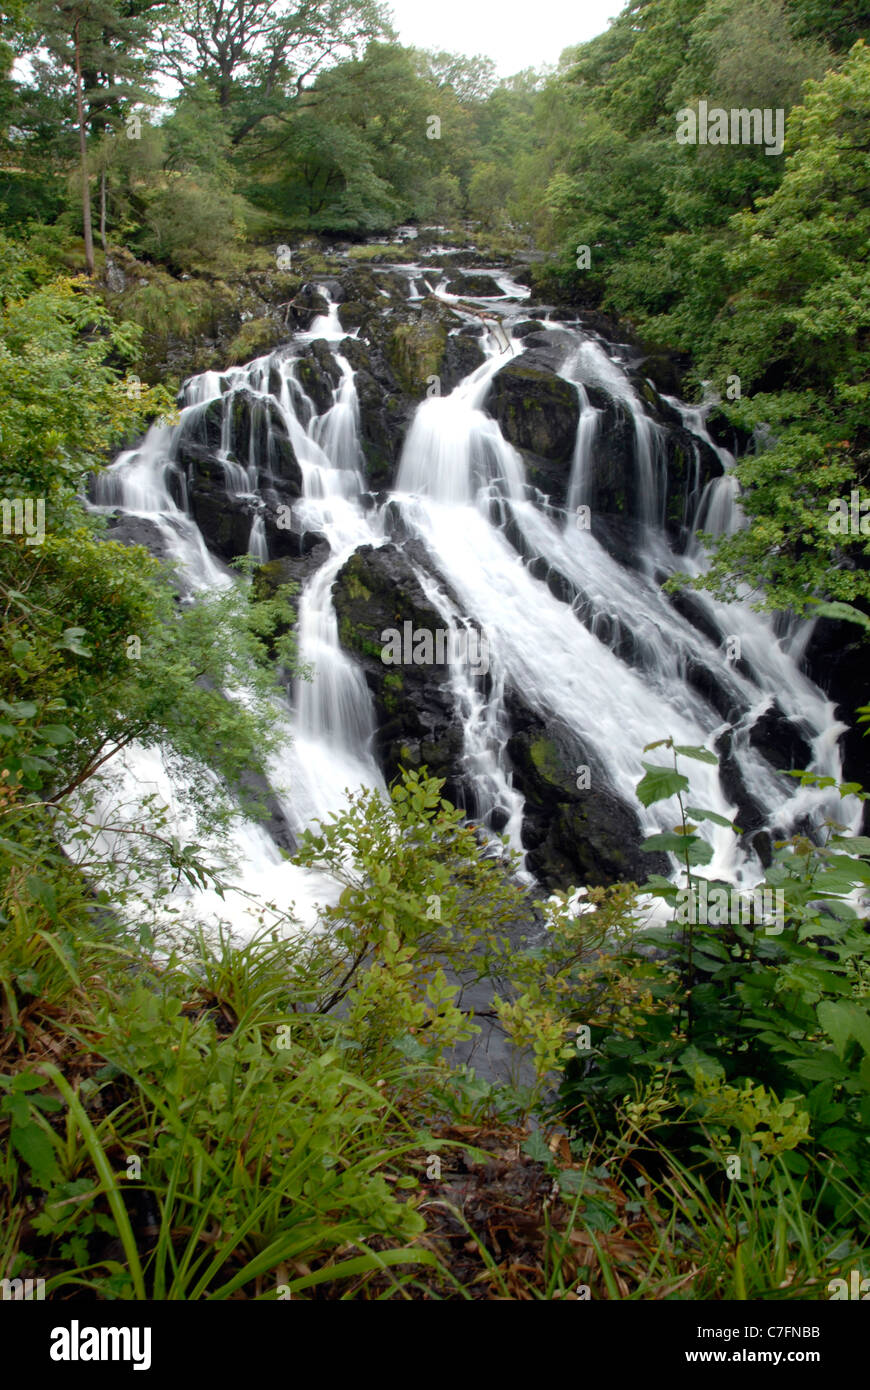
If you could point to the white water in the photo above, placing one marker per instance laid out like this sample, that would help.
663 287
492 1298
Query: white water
458 483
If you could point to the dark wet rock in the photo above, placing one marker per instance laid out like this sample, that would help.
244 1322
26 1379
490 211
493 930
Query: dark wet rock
572 836
307 305
225 521
384 418
377 591
397 286
292 568
728 436
693 608
780 740
475 286
462 355
762 843
415 350
722 695
354 315
748 815
522 275
264 806
138 530
255 428
318 374
549 349
666 368
525 327
691 464
358 285
535 409
610 487
836 659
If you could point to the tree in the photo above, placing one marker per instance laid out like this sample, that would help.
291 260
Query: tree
100 44
264 51
471 79
797 332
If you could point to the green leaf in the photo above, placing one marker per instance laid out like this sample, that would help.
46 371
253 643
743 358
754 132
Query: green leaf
690 847
28 763
701 755
35 1147
842 1020
56 733
536 1148
72 641
857 844
659 783
822 1068
669 841
845 612
43 891
692 1060
697 814
22 709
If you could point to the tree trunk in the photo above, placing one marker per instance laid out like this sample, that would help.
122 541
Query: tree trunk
103 210
83 146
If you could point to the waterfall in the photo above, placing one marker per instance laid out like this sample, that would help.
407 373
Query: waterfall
604 651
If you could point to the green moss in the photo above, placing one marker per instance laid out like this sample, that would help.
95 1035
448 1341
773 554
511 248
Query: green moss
394 683
546 760
382 252
416 352
354 587
254 339
313 263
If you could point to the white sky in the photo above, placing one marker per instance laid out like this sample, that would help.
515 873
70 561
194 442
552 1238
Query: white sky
516 34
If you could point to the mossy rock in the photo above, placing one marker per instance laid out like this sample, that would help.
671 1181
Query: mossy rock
254 339
536 410
415 351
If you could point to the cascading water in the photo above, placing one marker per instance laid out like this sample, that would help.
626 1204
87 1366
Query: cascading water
610 662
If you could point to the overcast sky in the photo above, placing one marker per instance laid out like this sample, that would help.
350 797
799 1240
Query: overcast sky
516 34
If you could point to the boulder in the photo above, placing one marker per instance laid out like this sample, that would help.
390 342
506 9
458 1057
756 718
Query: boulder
836 659
525 327
225 521
572 836
475 286
376 590
780 740
536 410
462 355
318 374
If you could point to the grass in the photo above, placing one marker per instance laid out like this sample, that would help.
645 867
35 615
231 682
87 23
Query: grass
203 1125
199 1151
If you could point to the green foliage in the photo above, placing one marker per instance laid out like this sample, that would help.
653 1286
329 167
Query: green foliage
755 265
757 1024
